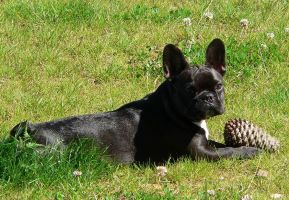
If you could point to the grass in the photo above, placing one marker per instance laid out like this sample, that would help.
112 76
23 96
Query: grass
61 58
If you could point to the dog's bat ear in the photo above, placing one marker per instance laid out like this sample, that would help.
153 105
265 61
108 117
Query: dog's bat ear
215 56
173 61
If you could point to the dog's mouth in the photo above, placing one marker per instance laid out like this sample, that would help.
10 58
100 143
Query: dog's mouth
202 111
215 110
210 113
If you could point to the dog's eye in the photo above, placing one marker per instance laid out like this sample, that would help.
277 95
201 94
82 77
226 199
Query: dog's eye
190 89
218 86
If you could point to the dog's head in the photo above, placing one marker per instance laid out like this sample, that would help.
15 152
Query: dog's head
196 91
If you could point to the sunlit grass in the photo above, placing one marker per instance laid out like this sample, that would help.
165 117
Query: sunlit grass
61 58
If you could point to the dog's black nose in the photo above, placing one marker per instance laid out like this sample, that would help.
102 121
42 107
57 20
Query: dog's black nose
209 98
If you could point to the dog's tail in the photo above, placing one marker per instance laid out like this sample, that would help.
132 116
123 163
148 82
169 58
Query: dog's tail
20 129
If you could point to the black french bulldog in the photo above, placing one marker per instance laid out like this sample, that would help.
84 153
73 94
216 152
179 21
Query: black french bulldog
167 123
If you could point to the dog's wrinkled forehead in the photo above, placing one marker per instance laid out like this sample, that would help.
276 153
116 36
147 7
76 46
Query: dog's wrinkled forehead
205 72
202 76
201 72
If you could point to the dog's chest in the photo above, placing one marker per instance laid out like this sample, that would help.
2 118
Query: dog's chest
203 125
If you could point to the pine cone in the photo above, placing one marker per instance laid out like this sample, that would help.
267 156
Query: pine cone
240 132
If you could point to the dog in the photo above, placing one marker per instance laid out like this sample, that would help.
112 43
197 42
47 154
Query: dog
166 124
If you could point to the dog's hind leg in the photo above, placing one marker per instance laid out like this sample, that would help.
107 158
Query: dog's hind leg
40 136
20 129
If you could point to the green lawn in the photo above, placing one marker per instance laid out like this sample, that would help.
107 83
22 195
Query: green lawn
61 58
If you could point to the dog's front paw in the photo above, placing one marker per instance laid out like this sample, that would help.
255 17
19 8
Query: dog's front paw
247 152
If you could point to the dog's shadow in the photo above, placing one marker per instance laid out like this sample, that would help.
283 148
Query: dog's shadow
22 161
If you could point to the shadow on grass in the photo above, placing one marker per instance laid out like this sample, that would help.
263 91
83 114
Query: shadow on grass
23 162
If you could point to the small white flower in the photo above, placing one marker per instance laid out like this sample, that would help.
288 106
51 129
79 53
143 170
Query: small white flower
161 170
189 43
209 15
222 178
77 173
173 9
276 196
244 23
247 197
264 46
187 21
262 173
270 35
287 30
211 192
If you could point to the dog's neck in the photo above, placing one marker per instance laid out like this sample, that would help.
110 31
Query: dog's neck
176 116
203 125
169 107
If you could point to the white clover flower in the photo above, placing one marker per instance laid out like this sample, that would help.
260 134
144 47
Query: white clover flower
287 30
270 35
222 178
211 192
247 197
77 173
161 171
187 21
262 173
244 23
276 196
189 43
209 15
173 9
264 46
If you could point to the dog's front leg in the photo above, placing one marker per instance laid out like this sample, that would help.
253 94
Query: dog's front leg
199 148
216 144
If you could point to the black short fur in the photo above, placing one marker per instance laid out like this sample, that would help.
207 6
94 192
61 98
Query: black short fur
160 126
